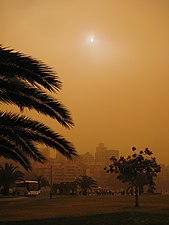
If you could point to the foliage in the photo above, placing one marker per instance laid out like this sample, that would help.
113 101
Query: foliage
26 82
140 168
65 188
86 183
43 182
8 176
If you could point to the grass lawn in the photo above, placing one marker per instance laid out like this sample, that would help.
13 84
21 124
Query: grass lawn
89 210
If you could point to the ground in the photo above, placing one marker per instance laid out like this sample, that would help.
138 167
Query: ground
85 210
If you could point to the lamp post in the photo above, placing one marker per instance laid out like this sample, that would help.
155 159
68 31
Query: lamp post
51 182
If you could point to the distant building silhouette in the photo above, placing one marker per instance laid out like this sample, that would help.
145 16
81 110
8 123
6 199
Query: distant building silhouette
87 159
65 170
103 154
62 171
162 180
100 153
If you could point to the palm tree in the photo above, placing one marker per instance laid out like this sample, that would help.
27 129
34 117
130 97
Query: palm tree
66 188
43 182
8 176
25 82
86 183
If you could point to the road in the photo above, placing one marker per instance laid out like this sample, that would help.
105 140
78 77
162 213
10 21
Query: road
43 195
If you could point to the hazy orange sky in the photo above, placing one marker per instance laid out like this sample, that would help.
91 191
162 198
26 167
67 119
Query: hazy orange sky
117 88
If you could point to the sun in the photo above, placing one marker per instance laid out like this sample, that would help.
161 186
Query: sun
91 39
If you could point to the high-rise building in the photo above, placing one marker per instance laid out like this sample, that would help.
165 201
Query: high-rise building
103 154
62 171
87 159
100 153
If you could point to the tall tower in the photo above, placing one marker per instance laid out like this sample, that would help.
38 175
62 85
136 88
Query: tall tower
100 153
103 155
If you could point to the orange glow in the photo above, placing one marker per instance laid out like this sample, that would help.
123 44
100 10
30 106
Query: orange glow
118 89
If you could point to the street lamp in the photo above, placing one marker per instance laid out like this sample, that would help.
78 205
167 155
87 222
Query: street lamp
51 182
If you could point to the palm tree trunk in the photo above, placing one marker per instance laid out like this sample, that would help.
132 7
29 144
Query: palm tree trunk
6 190
141 189
85 192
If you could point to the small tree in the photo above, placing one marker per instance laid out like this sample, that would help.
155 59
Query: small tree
42 181
65 188
134 168
86 183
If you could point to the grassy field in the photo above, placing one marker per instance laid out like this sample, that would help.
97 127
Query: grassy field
87 210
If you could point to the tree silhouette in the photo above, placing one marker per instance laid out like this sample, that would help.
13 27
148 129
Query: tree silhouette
42 181
134 168
65 188
8 176
86 183
25 82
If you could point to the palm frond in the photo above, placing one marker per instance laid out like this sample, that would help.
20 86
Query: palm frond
23 143
23 95
22 128
10 151
15 64
24 82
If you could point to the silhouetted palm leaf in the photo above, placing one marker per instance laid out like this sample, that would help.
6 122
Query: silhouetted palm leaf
23 131
23 95
23 81
10 151
15 64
